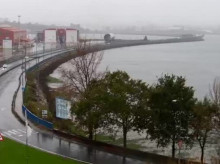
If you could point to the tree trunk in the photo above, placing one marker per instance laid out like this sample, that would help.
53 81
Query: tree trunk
91 134
125 136
202 154
173 148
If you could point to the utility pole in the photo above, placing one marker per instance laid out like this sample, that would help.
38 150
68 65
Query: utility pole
19 26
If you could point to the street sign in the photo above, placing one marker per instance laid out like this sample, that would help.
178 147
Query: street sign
44 113
1 138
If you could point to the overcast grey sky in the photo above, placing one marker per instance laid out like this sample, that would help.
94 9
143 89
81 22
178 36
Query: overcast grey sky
114 12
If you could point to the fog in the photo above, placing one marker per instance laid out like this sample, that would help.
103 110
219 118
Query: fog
114 13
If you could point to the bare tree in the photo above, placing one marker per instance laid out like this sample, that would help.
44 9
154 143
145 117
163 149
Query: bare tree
215 91
215 97
83 68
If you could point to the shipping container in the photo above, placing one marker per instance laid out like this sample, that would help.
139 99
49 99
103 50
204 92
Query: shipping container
50 36
71 36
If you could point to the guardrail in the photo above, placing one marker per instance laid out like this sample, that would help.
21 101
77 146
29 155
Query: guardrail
36 119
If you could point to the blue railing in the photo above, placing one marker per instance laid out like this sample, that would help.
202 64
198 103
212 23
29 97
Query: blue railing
36 119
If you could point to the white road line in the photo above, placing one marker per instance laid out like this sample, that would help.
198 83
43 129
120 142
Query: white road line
21 131
20 135
14 131
11 132
7 133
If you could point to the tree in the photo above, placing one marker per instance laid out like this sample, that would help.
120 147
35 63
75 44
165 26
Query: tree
171 105
83 68
215 97
88 109
125 97
203 122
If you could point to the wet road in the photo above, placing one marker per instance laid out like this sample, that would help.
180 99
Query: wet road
12 128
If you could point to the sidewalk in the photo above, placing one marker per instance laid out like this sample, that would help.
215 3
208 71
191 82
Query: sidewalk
18 104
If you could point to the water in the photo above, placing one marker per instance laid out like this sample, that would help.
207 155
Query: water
198 62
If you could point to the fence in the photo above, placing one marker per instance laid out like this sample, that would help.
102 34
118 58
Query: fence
36 119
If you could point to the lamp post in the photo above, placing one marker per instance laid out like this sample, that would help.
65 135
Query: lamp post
19 26
180 142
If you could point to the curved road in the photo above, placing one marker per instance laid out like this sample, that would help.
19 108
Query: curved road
12 128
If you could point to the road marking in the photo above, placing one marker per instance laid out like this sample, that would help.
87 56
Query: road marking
11 132
20 135
14 131
21 131
6 133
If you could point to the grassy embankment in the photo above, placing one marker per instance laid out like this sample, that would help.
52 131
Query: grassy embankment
12 152
51 79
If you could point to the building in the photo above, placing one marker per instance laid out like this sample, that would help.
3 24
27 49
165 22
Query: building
13 34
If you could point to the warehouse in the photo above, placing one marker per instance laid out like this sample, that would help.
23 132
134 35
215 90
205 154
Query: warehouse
11 33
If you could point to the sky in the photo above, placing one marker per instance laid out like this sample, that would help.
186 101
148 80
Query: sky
114 13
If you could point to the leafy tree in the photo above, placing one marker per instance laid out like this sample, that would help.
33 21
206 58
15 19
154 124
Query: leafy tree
171 105
125 97
88 109
203 122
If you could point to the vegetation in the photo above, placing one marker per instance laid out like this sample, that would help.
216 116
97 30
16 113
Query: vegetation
203 122
171 104
125 97
51 79
215 98
88 109
111 101
31 99
13 152
83 69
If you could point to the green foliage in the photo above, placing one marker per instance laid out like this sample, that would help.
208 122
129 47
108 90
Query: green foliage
171 105
125 97
203 122
113 100
51 79
88 109
30 96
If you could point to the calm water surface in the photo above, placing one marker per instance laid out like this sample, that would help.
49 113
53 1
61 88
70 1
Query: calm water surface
198 62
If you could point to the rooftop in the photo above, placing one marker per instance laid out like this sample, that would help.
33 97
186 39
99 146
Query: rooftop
14 29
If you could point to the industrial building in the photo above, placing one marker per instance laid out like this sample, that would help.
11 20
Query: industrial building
12 35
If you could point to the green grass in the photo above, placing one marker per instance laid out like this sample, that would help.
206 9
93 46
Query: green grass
51 79
12 152
132 144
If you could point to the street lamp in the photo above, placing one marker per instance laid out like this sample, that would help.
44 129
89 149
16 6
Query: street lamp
19 26
180 142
